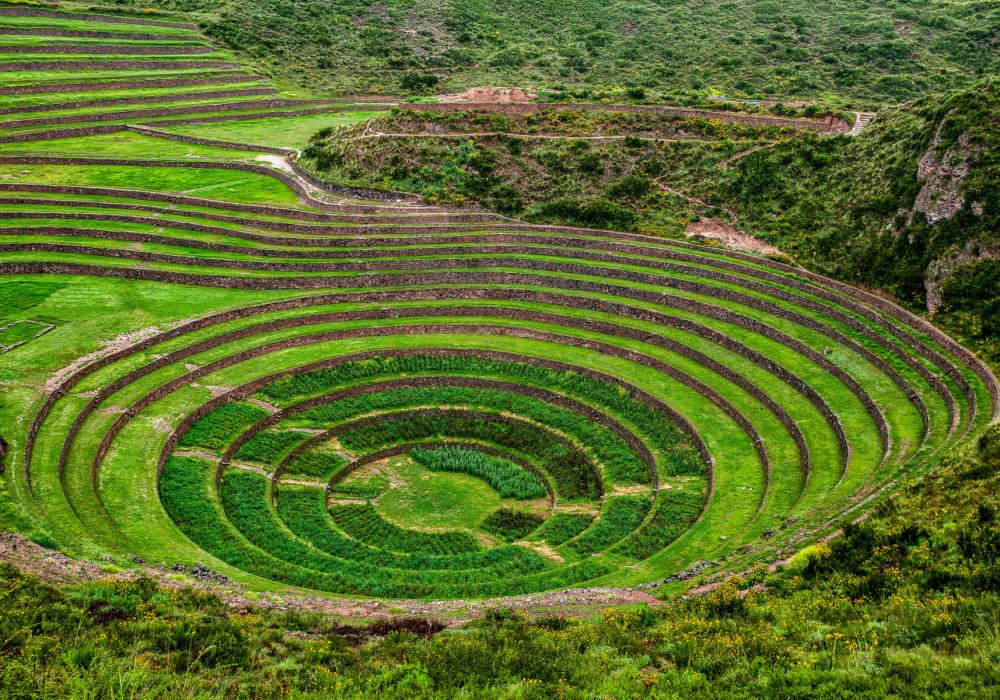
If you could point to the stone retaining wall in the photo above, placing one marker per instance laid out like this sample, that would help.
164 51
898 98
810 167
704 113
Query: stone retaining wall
245 117
128 115
436 381
86 33
109 19
470 278
106 49
533 108
277 225
546 266
208 79
73 132
148 99
112 65
261 209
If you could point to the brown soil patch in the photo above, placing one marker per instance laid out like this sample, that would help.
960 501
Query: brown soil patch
498 95
727 235
545 550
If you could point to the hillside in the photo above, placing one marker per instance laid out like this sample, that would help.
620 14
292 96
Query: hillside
864 53
911 205
584 168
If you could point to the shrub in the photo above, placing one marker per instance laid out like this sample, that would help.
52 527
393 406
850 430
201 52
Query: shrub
510 524
598 213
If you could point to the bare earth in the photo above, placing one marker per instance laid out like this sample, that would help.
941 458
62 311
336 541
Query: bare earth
730 237
500 95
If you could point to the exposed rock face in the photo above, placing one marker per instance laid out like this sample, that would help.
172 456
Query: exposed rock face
490 94
943 174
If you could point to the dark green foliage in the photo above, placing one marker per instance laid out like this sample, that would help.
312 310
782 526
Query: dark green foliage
632 187
862 209
218 429
363 523
562 527
417 82
620 516
882 52
316 462
971 301
268 446
511 524
509 479
673 513
599 213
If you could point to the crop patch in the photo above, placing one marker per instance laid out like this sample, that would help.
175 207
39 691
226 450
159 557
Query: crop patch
17 333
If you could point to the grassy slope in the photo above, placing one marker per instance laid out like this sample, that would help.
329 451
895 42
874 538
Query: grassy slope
868 53
519 168
904 605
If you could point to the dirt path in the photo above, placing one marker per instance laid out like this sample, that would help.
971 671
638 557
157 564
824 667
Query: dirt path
730 236
123 341
695 200
861 120
743 154
369 134
197 454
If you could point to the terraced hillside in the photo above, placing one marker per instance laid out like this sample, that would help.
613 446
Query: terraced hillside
68 74
212 359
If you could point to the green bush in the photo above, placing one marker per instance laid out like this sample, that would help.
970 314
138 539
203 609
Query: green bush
510 524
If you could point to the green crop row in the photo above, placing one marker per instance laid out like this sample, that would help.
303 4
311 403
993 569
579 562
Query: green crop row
620 517
620 462
509 479
574 477
364 524
303 510
269 446
218 429
678 455
562 527
369 488
673 513
315 461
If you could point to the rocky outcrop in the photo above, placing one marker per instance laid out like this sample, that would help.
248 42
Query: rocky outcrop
942 173
942 269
